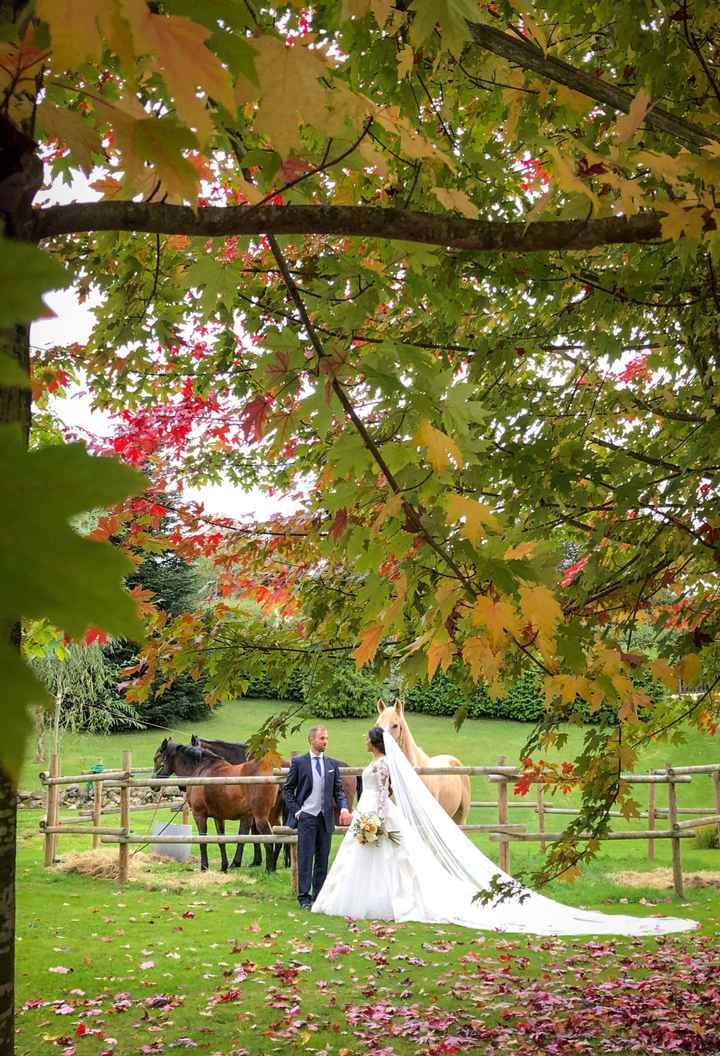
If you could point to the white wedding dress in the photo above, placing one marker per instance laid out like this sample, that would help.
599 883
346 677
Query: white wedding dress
434 872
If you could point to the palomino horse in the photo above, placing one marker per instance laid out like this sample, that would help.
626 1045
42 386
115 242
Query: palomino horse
237 752
222 802
452 793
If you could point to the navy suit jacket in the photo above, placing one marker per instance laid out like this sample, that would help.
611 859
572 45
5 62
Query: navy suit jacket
299 785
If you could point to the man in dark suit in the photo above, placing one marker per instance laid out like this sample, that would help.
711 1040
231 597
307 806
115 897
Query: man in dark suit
312 788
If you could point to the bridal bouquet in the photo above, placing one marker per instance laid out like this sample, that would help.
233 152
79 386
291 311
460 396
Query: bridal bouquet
370 828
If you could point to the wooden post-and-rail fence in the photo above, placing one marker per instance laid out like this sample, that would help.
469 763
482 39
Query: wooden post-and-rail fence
502 831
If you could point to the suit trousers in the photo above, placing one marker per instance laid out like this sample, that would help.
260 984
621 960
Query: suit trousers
313 852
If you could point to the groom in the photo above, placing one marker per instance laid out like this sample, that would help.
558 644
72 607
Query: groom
311 787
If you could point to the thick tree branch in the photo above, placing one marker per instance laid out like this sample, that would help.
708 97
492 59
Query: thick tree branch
480 236
530 57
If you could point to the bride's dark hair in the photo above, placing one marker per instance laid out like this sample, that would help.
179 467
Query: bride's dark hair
376 738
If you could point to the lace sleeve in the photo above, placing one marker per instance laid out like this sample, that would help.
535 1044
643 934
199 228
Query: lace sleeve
380 769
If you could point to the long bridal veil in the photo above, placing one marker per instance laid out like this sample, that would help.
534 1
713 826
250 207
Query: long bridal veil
455 870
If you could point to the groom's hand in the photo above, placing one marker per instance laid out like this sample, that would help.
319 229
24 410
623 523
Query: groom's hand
345 817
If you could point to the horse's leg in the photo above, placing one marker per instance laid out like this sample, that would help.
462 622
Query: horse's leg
243 830
220 828
201 822
257 850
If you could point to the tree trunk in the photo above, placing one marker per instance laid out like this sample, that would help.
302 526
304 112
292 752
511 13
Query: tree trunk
8 804
21 173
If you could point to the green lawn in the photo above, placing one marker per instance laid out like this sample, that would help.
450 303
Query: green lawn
239 970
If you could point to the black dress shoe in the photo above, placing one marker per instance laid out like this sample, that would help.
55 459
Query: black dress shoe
306 905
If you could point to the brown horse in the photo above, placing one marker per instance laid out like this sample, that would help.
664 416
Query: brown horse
452 793
246 803
237 752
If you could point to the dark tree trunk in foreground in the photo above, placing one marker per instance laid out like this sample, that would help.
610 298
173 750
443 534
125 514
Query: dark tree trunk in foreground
20 178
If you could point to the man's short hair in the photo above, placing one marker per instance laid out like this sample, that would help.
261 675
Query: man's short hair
313 730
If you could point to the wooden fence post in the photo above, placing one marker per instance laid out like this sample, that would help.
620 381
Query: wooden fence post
502 795
539 797
52 810
97 813
124 818
651 821
716 783
673 819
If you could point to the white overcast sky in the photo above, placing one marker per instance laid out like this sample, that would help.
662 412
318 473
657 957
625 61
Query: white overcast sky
73 322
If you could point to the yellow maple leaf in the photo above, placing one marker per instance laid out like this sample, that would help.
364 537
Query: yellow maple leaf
73 30
541 608
457 200
669 167
564 687
184 63
108 186
539 205
689 668
680 220
73 131
440 653
143 142
515 553
406 61
476 516
627 124
568 180
662 672
290 90
369 642
411 142
575 101
441 449
498 616
482 660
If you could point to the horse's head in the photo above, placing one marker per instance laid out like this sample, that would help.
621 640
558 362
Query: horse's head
164 758
392 719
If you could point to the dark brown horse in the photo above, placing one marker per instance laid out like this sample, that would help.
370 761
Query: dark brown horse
237 752
243 803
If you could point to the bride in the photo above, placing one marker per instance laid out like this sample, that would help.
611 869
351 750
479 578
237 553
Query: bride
429 871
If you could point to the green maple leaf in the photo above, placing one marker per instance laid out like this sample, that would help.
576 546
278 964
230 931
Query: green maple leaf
452 16
26 273
47 570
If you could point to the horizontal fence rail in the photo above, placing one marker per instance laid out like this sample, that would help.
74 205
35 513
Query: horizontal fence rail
88 818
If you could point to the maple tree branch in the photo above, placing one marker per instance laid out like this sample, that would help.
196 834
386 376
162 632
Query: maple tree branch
437 229
411 513
530 57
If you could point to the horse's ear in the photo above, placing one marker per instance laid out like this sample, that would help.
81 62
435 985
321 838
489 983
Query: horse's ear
399 706
193 739
381 706
164 744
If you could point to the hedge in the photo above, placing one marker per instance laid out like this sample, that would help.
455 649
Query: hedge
352 694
